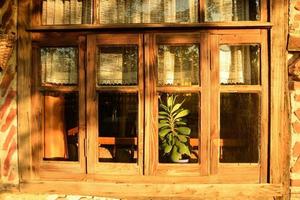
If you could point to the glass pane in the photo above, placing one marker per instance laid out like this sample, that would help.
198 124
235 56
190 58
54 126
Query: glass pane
240 128
240 64
66 11
232 10
61 126
178 65
178 128
118 127
117 65
59 65
146 11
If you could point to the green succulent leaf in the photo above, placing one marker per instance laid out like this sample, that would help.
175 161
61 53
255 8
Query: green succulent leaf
162 117
182 138
170 101
163 125
182 113
163 113
164 107
184 130
183 148
180 123
167 149
163 121
175 155
176 107
164 132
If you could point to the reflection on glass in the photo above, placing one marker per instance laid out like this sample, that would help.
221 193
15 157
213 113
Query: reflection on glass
146 11
232 10
61 126
118 127
117 65
59 65
178 128
178 65
240 64
240 128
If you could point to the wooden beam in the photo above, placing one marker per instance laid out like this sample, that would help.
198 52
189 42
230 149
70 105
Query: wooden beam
23 87
157 190
280 136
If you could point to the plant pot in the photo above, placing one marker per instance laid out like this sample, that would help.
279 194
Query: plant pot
182 161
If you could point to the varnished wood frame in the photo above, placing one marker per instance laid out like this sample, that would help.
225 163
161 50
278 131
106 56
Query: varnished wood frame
50 169
153 167
260 38
95 167
279 131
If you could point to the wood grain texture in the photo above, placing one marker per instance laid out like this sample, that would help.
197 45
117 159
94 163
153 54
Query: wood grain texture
23 87
280 138
161 190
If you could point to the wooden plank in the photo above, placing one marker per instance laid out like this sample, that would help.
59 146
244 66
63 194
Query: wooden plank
241 88
204 108
173 190
169 89
116 141
37 118
55 39
82 105
178 38
213 25
23 85
118 89
91 105
151 151
56 88
214 105
264 128
141 106
125 39
245 38
280 136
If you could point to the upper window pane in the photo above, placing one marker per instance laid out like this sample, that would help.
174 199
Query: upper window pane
240 64
117 65
59 65
232 10
146 11
178 65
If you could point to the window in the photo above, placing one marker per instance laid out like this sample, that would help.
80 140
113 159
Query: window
164 98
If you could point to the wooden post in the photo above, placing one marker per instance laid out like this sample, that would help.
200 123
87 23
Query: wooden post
24 103
280 137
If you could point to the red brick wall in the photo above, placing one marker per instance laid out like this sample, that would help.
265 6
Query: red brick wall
8 107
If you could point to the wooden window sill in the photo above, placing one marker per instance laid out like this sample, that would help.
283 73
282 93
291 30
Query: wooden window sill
154 189
93 27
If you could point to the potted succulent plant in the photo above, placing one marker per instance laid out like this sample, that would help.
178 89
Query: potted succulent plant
173 130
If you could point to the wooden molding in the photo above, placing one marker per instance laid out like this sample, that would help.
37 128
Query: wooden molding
156 190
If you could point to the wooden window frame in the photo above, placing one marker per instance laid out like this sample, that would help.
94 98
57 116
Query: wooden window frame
278 170
50 169
94 166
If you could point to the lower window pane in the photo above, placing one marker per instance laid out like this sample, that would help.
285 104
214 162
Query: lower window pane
240 128
61 126
118 127
178 128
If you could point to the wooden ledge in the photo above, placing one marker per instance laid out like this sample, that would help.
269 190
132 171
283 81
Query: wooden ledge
157 190
204 25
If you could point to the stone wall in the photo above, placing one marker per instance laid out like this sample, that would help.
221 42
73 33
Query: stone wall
8 106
